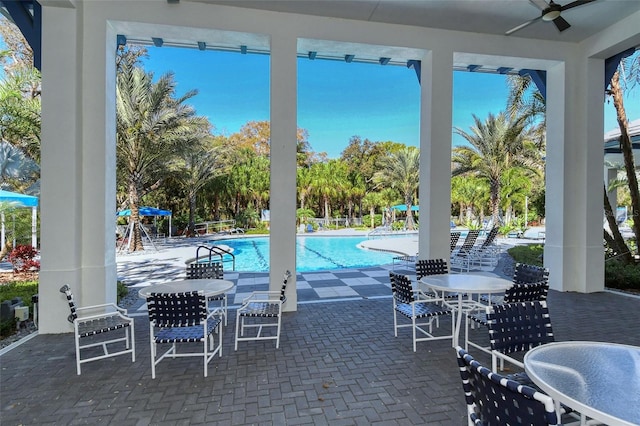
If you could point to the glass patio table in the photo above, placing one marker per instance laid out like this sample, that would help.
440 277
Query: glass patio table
210 287
600 380
465 285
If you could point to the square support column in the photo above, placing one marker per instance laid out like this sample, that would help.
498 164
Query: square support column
61 165
78 164
284 127
435 154
573 249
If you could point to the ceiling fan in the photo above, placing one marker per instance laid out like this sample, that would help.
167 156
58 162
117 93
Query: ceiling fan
550 12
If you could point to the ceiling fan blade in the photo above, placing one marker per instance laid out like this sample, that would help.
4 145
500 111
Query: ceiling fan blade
521 26
576 4
561 23
540 4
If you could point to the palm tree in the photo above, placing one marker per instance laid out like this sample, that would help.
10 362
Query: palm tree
495 146
152 126
469 192
17 171
20 107
516 185
401 170
616 93
194 168
371 200
328 180
525 101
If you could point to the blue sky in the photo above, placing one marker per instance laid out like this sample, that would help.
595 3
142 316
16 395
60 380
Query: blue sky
336 100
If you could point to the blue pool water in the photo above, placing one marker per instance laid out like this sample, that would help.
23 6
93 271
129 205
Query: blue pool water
312 254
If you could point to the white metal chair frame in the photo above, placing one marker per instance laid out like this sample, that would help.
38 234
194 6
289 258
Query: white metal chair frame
259 310
516 293
417 305
182 318
213 270
517 327
94 321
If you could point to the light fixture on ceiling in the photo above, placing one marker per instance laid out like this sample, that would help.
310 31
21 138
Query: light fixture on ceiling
551 13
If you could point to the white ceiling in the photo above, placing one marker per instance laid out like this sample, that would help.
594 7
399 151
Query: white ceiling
480 16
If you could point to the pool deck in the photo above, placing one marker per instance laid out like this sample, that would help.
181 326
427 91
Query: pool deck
338 362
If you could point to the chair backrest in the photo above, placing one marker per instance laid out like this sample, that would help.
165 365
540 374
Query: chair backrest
455 236
72 304
470 240
528 274
177 309
425 267
287 276
401 287
213 270
491 237
497 400
516 327
526 292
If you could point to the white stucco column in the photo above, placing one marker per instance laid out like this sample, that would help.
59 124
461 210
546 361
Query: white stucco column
283 165
61 163
435 153
573 248
78 163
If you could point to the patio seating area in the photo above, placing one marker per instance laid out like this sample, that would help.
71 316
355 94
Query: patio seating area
338 363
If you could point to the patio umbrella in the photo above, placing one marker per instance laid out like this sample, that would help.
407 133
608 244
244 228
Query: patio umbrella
403 208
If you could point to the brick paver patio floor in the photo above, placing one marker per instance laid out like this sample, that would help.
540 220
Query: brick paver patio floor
338 364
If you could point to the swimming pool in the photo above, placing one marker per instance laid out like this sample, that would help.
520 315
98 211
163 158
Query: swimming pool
312 254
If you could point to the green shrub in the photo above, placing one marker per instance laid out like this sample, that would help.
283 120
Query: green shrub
618 275
22 289
528 253
377 220
122 290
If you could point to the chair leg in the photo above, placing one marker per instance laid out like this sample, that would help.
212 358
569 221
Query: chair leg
205 353
413 321
237 330
278 332
395 323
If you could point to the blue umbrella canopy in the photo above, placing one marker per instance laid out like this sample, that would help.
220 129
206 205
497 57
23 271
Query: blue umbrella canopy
403 208
146 211
21 200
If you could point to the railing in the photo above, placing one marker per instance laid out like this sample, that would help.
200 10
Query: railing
217 252
211 227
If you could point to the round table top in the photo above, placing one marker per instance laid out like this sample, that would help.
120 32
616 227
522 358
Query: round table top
600 380
466 283
210 287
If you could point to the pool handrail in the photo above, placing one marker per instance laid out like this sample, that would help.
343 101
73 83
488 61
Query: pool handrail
217 251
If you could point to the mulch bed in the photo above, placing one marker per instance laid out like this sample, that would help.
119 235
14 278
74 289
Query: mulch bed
7 277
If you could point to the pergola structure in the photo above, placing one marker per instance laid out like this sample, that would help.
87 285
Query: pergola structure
79 41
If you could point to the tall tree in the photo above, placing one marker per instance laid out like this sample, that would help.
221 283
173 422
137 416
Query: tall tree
196 166
401 170
18 172
152 126
526 102
18 53
328 181
626 147
495 146
20 109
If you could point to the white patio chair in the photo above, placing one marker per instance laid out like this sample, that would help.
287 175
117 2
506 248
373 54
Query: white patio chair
212 270
97 326
259 310
182 318
416 306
